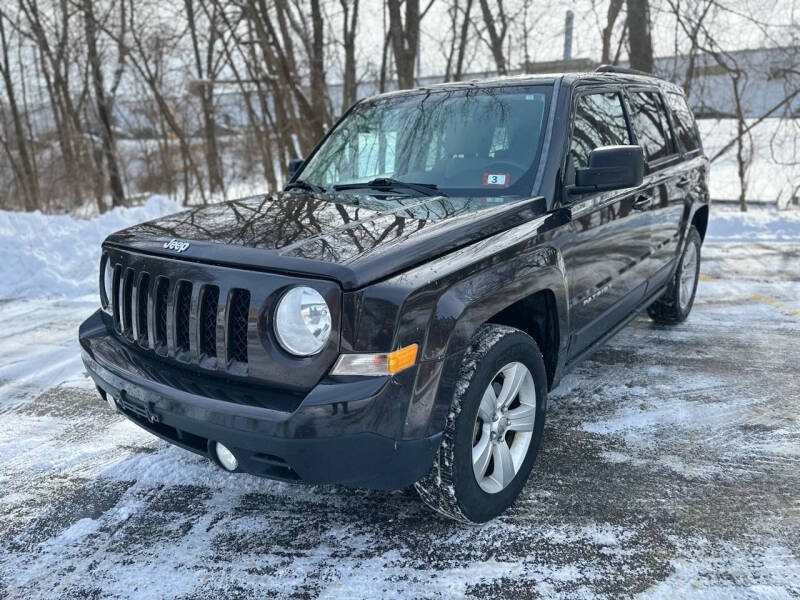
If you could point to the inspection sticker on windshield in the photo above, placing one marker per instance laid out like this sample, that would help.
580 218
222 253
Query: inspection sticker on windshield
498 179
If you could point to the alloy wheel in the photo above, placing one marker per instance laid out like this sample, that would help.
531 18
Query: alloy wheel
688 278
503 427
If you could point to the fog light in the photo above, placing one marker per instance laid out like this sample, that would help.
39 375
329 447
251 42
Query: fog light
226 457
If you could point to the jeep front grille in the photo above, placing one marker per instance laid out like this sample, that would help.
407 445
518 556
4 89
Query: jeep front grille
213 319
185 318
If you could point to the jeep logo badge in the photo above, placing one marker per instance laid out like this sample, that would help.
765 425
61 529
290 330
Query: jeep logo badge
176 245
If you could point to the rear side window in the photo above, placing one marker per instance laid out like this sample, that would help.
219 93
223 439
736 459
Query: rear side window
599 121
651 126
685 126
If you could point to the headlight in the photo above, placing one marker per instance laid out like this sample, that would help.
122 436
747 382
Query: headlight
108 281
302 321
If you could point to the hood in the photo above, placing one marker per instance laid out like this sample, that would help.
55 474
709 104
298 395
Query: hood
354 240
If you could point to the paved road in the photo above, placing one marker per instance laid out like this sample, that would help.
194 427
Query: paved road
670 468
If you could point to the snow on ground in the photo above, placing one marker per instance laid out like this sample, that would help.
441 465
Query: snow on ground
670 466
39 345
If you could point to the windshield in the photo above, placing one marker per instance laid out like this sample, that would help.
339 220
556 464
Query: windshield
473 141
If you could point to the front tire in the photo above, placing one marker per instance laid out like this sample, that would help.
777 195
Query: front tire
675 305
493 430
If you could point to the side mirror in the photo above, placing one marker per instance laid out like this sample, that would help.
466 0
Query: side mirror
294 166
610 168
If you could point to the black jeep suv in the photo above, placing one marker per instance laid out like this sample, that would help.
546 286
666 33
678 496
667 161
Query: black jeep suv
397 315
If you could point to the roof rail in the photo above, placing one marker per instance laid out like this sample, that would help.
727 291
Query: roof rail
624 70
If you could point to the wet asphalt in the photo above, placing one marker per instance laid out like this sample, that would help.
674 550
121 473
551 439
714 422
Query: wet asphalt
670 468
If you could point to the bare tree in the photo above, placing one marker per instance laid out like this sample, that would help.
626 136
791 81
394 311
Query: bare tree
146 55
349 24
294 109
312 36
207 62
691 19
695 20
385 55
640 42
52 35
22 163
495 20
744 140
459 40
103 104
614 9
250 80
404 38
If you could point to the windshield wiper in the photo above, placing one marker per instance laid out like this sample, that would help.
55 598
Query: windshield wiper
300 184
387 183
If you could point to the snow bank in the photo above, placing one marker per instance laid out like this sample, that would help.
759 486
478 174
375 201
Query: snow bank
758 224
59 255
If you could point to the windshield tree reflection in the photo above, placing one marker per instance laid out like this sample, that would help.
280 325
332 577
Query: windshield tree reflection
481 141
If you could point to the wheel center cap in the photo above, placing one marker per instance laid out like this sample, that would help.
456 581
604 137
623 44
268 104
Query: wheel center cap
499 426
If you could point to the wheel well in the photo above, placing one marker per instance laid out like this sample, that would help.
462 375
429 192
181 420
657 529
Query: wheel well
536 315
700 221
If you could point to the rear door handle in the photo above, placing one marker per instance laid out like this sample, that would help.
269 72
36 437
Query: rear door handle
683 182
642 202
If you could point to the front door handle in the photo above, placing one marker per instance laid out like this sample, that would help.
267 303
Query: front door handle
642 202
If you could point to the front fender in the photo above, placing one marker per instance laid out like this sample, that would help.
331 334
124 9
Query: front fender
461 310
468 304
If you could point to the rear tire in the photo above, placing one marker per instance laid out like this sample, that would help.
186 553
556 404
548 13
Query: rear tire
493 430
676 303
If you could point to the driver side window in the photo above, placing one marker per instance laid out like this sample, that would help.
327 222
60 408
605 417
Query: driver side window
599 121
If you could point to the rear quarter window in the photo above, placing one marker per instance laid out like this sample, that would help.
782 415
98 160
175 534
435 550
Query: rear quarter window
685 125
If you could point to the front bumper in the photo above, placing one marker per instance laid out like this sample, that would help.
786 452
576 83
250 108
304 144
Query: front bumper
345 432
